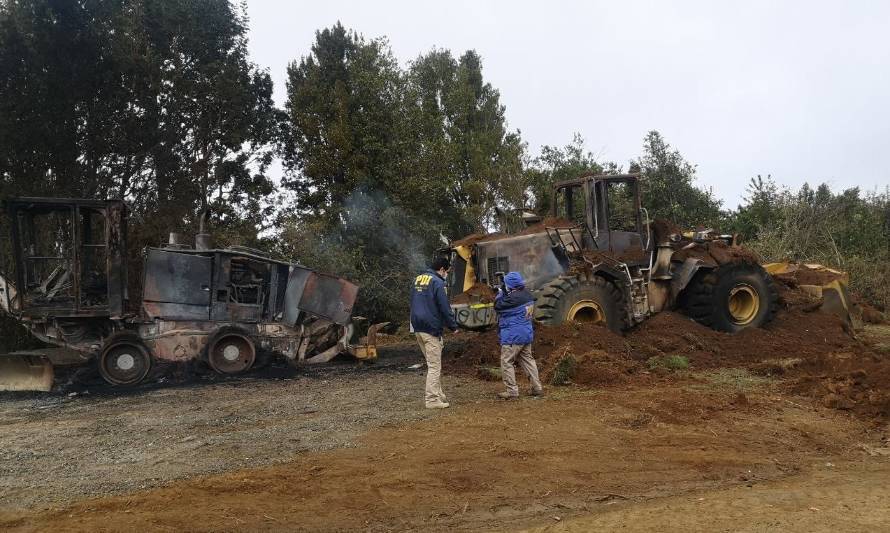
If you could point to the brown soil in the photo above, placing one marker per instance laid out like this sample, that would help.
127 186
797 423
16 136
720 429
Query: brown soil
663 229
716 253
804 275
822 355
504 465
870 315
549 222
478 293
541 227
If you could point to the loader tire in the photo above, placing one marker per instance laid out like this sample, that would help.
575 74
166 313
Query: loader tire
125 360
731 298
569 299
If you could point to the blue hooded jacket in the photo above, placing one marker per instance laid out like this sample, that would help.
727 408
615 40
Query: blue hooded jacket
515 311
430 310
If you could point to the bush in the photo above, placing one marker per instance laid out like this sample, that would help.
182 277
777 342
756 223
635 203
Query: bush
564 370
672 362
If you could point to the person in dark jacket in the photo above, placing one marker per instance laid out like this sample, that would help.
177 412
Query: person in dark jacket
430 313
515 308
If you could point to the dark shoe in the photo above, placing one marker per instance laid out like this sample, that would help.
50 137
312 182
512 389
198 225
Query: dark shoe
537 392
507 395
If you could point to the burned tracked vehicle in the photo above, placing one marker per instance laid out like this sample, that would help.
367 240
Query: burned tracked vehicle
598 258
219 306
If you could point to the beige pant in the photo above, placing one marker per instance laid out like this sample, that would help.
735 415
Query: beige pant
522 352
432 350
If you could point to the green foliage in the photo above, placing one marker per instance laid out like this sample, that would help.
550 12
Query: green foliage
383 161
671 362
556 164
668 186
564 370
152 101
847 230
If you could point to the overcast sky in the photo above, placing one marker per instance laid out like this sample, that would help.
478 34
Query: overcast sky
798 90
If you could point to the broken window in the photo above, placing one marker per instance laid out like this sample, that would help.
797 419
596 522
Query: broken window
47 240
248 282
622 207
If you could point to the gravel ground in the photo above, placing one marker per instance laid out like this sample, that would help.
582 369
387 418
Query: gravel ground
57 448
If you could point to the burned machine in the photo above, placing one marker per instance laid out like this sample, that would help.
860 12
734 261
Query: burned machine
198 303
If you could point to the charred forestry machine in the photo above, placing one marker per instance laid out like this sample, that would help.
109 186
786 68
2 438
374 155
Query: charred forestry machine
217 306
599 259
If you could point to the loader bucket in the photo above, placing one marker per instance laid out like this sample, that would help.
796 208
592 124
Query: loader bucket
366 348
25 372
834 294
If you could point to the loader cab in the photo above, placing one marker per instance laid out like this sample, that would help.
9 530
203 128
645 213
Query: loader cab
609 208
68 257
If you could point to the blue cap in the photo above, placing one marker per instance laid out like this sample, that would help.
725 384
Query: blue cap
514 280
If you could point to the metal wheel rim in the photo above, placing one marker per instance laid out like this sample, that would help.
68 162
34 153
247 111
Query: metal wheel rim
586 311
743 304
125 364
232 354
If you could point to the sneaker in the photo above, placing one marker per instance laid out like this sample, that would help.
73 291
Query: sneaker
437 405
537 392
507 395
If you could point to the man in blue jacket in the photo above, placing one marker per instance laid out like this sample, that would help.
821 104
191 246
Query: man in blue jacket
515 309
430 311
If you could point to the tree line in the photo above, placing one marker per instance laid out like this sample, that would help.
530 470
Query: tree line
159 103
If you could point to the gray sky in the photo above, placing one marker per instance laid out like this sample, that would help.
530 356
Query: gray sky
798 90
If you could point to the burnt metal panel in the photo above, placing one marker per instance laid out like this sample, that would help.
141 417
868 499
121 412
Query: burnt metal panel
177 285
116 242
318 294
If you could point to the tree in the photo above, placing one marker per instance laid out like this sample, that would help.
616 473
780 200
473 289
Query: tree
152 101
556 164
462 141
343 109
668 186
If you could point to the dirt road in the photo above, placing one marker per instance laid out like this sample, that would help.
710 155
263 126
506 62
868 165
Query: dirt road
502 466
59 448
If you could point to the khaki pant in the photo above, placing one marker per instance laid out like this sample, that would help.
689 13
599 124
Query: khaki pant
432 351
522 352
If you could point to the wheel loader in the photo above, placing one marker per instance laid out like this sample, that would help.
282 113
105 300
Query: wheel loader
220 307
598 258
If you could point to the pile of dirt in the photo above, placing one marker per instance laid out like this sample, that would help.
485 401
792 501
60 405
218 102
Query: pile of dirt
871 315
478 293
541 227
662 230
715 253
816 352
549 222
804 275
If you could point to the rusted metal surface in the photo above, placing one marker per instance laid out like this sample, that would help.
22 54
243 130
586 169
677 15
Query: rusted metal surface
319 294
72 279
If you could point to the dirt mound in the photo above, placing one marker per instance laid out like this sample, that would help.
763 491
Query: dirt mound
663 229
815 351
804 275
870 315
716 253
541 227
549 222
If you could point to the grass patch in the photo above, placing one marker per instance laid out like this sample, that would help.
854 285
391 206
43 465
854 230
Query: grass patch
488 373
734 378
564 370
671 362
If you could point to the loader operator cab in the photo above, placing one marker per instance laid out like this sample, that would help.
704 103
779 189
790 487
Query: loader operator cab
608 208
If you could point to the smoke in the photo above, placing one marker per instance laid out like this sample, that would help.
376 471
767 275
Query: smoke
391 231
